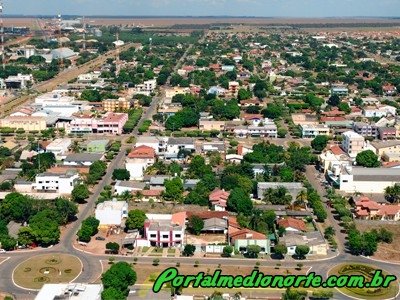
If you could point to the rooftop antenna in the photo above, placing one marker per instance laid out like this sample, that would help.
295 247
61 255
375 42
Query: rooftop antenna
2 35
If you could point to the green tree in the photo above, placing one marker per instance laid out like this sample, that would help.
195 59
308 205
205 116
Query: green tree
301 251
367 159
66 210
392 193
252 251
269 216
227 251
173 190
329 232
112 246
112 294
80 193
277 196
196 224
273 111
244 94
319 142
25 236
91 95
292 294
189 250
280 250
120 276
8 243
17 207
45 228
136 219
334 100
121 174
322 294
239 201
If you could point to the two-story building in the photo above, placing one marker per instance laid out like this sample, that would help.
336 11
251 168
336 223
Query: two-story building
138 160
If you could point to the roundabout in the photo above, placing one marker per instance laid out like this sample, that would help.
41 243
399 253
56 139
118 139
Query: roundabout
34 272
367 271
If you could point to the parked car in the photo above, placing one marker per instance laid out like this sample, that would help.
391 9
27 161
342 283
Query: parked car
2 251
100 238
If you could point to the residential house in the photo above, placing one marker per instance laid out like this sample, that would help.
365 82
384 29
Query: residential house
379 111
389 90
292 225
138 160
215 226
386 147
59 147
218 199
177 145
130 186
158 143
240 239
111 213
332 160
314 240
339 90
367 209
82 159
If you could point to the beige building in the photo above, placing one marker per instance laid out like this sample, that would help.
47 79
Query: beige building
353 143
26 123
386 147
114 105
171 92
205 125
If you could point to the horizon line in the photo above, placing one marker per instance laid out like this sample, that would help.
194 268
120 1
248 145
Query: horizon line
195 16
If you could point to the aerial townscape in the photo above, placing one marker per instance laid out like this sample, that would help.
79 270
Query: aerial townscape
129 145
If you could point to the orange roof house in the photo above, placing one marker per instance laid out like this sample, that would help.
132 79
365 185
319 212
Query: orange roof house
292 224
142 152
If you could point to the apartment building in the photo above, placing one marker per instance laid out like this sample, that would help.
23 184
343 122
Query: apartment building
365 129
352 143
233 88
311 131
165 230
56 183
115 105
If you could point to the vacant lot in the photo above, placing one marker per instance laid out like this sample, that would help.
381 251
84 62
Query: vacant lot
35 272
391 251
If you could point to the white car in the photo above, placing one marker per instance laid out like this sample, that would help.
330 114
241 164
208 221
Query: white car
2 251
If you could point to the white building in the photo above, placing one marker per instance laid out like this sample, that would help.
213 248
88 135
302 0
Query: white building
311 131
56 183
368 180
146 87
138 160
20 81
82 159
177 144
352 143
111 213
59 147
70 291
379 111
128 186
158 143
89 77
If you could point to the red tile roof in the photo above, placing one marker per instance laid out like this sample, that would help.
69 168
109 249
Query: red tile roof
150 193
294 223
331 119
247 234
333 113
365 205
179 218
336 150
142 152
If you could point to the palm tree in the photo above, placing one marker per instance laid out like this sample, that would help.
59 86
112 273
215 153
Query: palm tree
392 193
75 147
301 198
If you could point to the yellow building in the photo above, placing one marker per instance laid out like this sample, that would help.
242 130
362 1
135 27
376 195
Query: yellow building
113 105
26 123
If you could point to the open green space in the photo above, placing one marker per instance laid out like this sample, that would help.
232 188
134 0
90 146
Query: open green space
56 268
364 293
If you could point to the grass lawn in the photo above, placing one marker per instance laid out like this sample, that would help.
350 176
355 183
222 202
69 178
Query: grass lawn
171 251
145 249
364 293
35 272
157 250
310 227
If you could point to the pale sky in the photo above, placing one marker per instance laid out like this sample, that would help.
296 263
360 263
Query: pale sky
265 8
